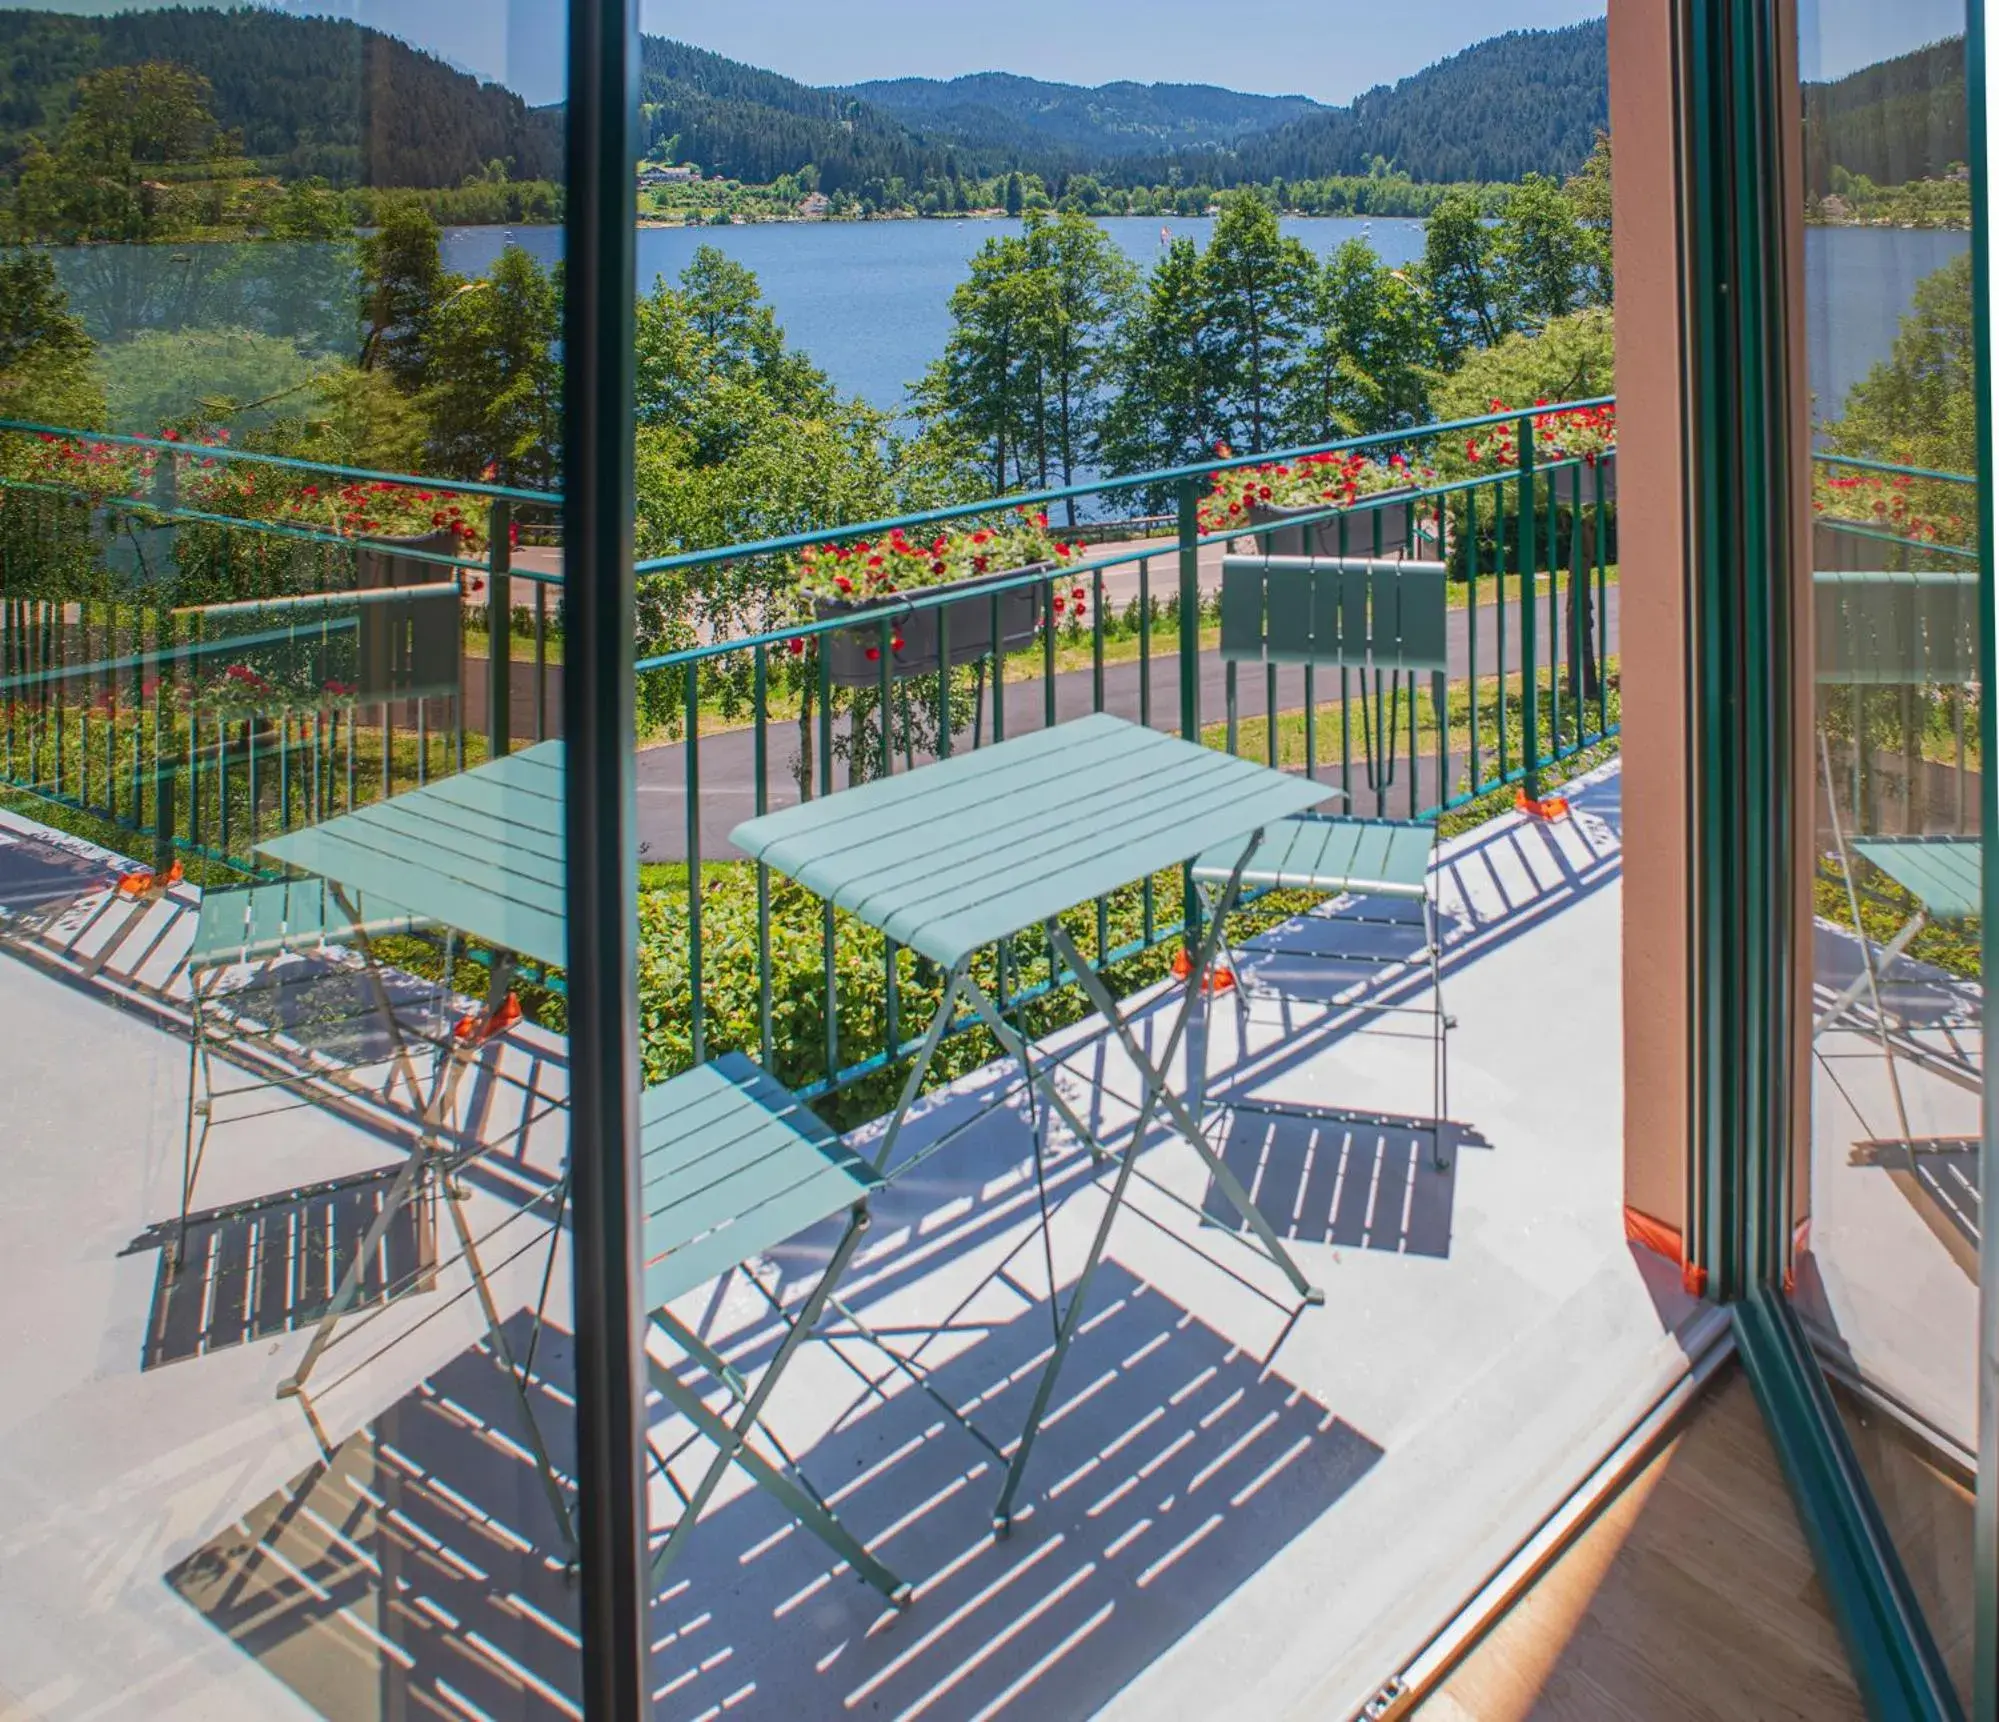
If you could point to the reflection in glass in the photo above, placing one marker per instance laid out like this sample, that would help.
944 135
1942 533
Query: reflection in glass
288 1418
1887 1275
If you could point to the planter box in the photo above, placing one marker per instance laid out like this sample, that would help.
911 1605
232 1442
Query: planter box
971 624
1574 482
1388 506
407 650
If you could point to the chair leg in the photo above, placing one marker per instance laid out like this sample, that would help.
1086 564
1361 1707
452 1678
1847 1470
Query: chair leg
732 1447
1440 1038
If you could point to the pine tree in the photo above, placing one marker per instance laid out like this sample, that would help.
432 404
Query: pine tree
1462 275
403 282
1163 411
1259 287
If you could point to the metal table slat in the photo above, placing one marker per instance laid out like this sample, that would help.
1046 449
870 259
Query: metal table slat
447 828
1944 875
1003 835
950 929
482 913
949 858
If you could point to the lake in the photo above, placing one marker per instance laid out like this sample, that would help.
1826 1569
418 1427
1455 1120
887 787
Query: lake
869 301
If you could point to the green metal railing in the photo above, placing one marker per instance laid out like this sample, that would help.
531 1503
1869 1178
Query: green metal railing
117 611
762 718
192 676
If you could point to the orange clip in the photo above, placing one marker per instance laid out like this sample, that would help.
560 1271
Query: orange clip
139 883
1219 980
479 1030
1548 808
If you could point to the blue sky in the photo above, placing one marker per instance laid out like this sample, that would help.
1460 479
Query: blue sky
1328 49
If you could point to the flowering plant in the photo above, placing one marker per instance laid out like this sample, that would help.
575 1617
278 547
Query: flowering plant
1894 503
1588 434
870 569
1332 480
99 469
370 508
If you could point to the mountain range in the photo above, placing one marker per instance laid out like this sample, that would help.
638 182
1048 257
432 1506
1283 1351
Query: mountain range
1000 111
322 96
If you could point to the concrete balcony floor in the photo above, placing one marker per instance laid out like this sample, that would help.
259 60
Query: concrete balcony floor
1236 1509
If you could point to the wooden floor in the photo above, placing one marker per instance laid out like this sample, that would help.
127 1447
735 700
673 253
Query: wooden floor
1692 1596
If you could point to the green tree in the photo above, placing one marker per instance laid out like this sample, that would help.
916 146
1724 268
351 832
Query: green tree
985 393
1081 286
1461 271
48 368
1366 364
1572 358
703 342
1163 411
403 285
1259 287
1545 254
1919 406
1589 190
495 395
129 126
163 377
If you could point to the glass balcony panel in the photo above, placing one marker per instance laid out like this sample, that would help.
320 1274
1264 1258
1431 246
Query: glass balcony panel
1890 1204
289 1409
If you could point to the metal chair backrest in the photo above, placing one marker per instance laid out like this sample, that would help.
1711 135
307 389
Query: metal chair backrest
1348 613
1896 630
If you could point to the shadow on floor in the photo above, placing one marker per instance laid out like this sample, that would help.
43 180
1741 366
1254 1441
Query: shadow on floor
419 1572
41 878
1353 1181
420 1568
271 1266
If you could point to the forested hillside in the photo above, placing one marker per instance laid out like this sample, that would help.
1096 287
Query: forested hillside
1531 101
310 96
321 97
997 110
1904 119
742 123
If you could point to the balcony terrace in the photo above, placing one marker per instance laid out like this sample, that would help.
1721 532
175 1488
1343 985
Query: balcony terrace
1237 1507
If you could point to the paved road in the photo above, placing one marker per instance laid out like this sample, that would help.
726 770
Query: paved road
726 764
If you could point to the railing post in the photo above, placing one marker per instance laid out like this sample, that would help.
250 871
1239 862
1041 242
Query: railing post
499 629
1530 669
1188 499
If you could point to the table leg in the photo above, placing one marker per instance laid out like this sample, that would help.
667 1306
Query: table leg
1154 1091
405 1066
1155 1083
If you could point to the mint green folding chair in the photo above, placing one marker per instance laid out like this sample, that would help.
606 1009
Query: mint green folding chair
732 1165
247 928
1384 623
1906 631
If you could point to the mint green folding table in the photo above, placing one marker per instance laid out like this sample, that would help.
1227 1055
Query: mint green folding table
953 857
480 853
732 1163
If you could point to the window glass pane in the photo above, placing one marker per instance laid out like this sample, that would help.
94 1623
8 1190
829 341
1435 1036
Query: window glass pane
848 615
1891 1207
287 1410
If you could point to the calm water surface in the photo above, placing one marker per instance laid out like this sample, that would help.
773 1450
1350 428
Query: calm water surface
870 301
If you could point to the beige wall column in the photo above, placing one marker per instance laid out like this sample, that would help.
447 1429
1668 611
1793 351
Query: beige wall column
1653 623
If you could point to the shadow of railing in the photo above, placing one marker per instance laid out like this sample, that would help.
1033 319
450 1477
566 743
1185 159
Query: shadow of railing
1353 1180
262 1268
420 1567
